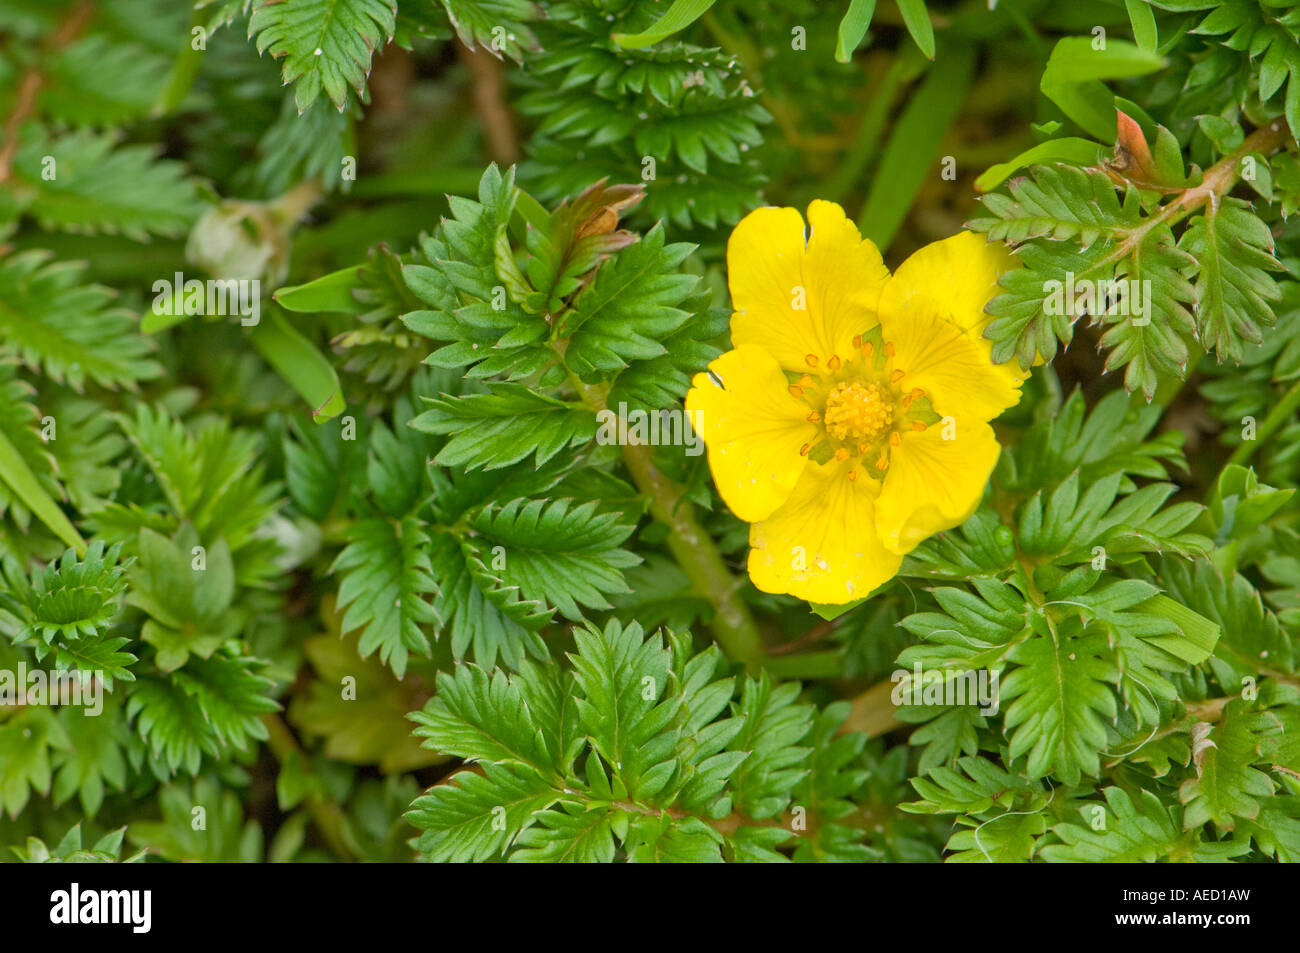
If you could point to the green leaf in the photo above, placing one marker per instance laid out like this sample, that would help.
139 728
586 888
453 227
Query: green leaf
503 426
1233 249
100 187
93 762
473 818
19 477
1055 701
326 45
1070 151
1144 25
630 306
26 740
68 600
299 363
1072 79
679 16
556 552
499 26
225 837
1145 831
1226 786
853 27
385 576
56 323
486 718
917 20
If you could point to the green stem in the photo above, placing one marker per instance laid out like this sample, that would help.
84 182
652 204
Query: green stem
733 626
1276 419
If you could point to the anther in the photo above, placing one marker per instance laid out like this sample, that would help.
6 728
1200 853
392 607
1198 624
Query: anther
834 363
803 451
918 425
805 381
857 341
796 391
841 454
882 463
811 359
868 350
814 417
895 377
853 476
895 439
889 349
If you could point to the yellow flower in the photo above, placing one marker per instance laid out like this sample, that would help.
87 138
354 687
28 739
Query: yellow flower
850 421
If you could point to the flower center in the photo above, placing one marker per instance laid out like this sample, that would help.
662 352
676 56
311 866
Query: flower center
857 411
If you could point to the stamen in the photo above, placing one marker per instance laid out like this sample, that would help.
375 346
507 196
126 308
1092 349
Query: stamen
868 350
796 391
918 425
805 381
895 439
857 412
882 463
895 377
834 363
803 451
841 454
811 359
853 476
889 349
814 418
857 341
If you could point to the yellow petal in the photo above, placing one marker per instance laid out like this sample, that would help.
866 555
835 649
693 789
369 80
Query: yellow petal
822 545
933 311
953 279
793 299
753 430
934 484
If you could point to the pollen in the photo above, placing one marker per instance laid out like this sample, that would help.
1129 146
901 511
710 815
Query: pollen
857 411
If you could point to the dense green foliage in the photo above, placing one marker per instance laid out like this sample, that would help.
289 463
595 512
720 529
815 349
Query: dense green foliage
357 576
